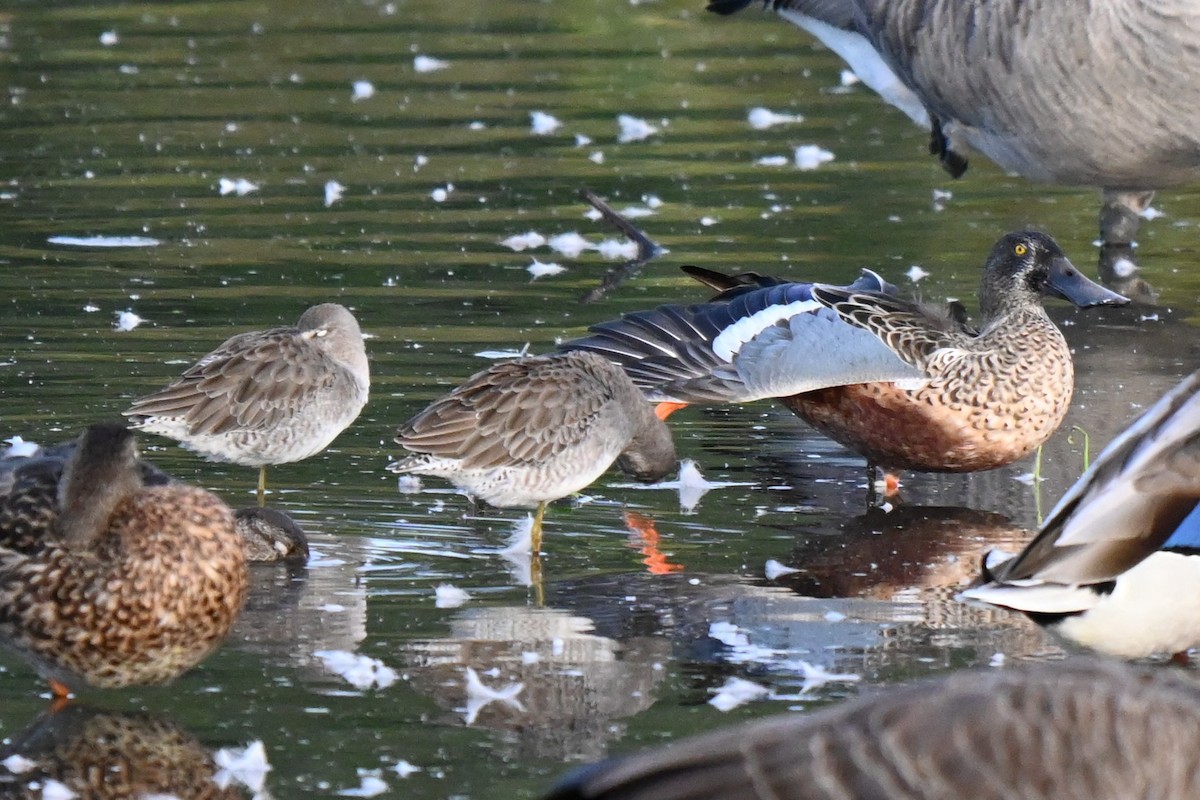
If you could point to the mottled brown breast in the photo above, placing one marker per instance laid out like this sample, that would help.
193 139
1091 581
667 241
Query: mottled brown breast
150 598
979 410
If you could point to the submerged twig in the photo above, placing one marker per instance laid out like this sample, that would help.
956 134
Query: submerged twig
646 249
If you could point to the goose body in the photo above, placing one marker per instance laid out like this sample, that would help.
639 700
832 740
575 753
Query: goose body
1086 731
1088 94
1116 566
906 386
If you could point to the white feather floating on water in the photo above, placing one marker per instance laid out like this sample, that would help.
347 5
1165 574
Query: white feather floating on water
737 692
633 129
774 569
479 696
239 186
245 765
543 124
450 596
569 244
370 785
363 672
16 763
915 273
811 156
127 321
19 448
361 90
105 241
614 249
429 64
691 485
539 269
524 241
333 192
762 118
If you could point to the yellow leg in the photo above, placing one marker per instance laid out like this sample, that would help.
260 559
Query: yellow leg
535 532
262 487
535 578
535 556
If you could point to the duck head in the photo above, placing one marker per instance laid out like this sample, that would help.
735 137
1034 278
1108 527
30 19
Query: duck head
1027 265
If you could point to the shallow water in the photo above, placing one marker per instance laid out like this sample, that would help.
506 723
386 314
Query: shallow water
649 604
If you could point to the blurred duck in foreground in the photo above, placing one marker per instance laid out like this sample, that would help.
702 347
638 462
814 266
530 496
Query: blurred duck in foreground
1091 731
267 534
1082 94
1116 566
266 397
108 582
525 432
905 385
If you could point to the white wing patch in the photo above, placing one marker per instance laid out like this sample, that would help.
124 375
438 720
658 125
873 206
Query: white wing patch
813 351
729 342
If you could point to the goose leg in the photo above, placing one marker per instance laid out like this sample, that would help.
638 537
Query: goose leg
1119 221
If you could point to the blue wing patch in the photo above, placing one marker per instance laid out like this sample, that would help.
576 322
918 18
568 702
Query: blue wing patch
1187 535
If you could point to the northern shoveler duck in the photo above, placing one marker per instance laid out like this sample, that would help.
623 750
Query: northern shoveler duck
1066 731
108 582
525 432
907 386
1081 94
266 397
1116 566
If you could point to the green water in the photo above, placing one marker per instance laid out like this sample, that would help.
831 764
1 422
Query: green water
132 138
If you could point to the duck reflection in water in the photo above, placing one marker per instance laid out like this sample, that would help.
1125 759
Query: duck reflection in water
107 755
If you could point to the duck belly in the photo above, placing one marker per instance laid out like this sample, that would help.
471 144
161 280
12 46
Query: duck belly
1153 609
897 428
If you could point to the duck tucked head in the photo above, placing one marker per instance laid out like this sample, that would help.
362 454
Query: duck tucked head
1026 265
101 472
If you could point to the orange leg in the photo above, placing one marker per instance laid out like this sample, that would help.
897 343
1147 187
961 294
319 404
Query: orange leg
62 696
666 409
646 538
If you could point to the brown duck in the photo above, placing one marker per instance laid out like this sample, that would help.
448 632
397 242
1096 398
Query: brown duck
108 582
905 385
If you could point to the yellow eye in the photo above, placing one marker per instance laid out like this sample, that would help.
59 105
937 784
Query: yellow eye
1020 249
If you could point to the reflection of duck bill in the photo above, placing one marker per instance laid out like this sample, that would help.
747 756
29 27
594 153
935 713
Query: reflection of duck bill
78 747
